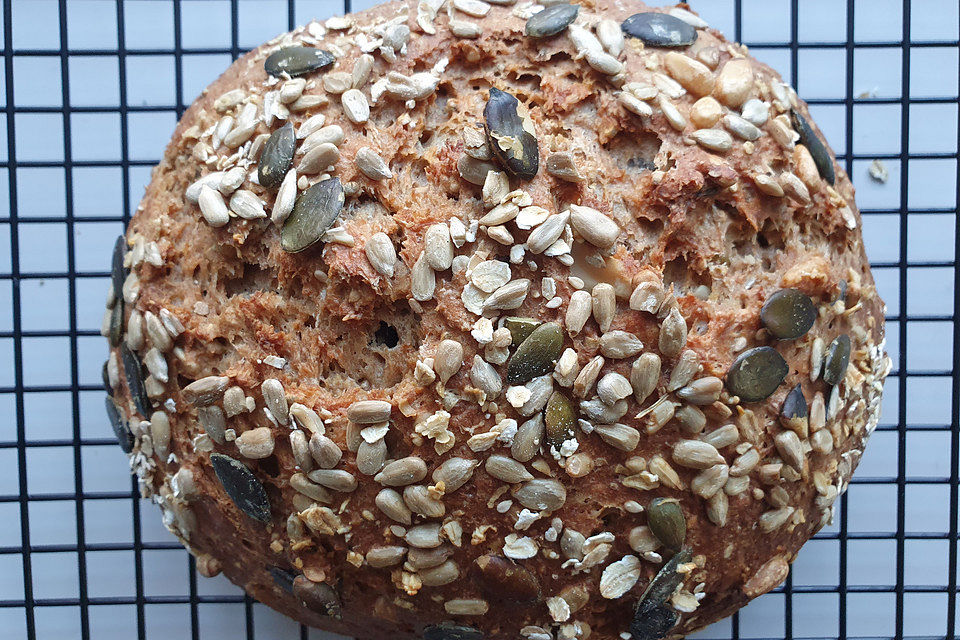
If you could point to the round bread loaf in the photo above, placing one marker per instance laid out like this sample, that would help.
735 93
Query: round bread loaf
463 321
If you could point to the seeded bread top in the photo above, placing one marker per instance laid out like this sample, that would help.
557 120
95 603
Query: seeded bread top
440 309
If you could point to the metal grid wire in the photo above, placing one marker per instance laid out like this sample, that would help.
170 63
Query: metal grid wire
82 557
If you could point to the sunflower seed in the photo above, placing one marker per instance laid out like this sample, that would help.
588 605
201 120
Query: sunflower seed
587 376
822 441
382 557
696 454
160 433
687 366
708 482
647 296
793 412
295 61
619 436
402 472
745 462
275 399
507 469
816 147
702 391
314 212
466 607
659 30
318 158
611 36
788 314
391 503
247 205
613 387
725 436
454 473
672 114
713 139
336 479
371 456
529 436
485 377
424 536
212 206
694 76
666 474
332 134
369 411
372 165
548 232
673 333
355 106
794 187
790 449
666 522
243 488
836 360
381 253
205 391
561 165
438 576
741 127
756 374
691 419
537 355
593 226
774 519
644 375
437 247
419 500
510 134
448 359
768 185
541 494
578 311
474 171
818 413
214 422
325 451
604 305
552 20
423 282
256 444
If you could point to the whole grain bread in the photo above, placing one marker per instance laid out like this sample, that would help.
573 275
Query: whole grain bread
538 336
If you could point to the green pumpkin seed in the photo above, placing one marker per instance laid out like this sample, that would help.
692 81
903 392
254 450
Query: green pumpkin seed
659 30
836 360
283 578
120 427
756 374
450 631
315 211
552 20
134 375
652 621
115 334
793 412
242 487
537 355
666 521
277 156
667 579
511 136
318 597
816 147
560 418
520 328
295 61
105 375
788 314
118 273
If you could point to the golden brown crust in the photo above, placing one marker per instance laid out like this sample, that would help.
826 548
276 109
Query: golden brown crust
320 322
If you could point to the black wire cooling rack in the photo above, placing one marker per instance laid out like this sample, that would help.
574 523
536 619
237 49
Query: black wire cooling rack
886 568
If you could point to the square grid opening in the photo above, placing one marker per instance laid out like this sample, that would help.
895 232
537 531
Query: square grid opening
82 557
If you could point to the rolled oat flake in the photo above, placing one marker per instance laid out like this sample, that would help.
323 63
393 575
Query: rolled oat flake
242 487
315 211
659 30
295 61
756 374
511 135
788 314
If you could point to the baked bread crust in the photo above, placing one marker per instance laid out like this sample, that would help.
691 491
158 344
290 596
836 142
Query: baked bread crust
257 344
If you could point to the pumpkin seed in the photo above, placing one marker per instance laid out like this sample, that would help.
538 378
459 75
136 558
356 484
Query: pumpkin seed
666 521
120 427
295 61
816 147
318 597
283 578
511 136
277 156
667 579
788 314
115 332
537 355
242 486
560 417
756 374
118 273
314 212
659 30
652 621
793 412
551 20
504 580
836 360
450 631
520 328
134 375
